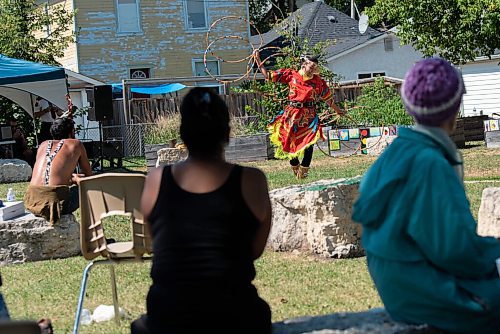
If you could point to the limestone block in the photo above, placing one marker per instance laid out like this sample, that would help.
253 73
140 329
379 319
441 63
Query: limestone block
489 213
377 145
316 217
14 170
169 156
29 238
375 321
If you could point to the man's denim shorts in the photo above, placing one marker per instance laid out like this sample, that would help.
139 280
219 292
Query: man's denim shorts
4 313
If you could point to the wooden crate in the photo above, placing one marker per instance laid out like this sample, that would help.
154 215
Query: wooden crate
458 135
151 152
474 127
244 148
249 148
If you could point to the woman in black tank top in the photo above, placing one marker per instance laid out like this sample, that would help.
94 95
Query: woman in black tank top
210 220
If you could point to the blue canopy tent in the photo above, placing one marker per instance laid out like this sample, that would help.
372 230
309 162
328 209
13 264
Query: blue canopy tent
151 90
21 81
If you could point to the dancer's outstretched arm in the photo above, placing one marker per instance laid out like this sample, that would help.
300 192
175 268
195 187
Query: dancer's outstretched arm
260 64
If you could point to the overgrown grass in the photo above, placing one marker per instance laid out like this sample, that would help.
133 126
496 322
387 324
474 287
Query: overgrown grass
293 284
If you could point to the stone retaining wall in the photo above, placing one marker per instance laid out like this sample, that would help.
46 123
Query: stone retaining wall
31 238
316 217
489 213
14 170
375 321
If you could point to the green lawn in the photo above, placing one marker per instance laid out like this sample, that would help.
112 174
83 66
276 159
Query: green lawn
293 284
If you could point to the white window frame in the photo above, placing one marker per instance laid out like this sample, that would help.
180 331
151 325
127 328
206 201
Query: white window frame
214 84
186 16
139 67
119 29
371 74
200 60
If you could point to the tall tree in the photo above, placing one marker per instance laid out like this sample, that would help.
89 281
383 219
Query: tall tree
457 30
265 13
345 5
34 32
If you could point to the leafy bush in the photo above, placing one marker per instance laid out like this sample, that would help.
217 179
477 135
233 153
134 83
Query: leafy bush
163 129
379 105
248 125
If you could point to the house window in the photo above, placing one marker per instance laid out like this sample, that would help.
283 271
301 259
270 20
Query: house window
200 71
370 75
139 73
196 14
199 67
388 44
364 75
128 15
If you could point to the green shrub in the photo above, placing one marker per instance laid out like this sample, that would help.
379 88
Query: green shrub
379 105
245 126
163 129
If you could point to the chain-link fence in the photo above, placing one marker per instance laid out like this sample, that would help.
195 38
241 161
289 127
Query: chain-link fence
117 140
128 140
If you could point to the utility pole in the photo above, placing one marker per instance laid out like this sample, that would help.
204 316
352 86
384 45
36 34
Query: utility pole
352 10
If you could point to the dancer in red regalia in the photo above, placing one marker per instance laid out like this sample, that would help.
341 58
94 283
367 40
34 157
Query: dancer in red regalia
297 128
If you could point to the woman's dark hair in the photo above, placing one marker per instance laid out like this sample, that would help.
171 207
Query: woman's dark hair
313 58
204 123
62 128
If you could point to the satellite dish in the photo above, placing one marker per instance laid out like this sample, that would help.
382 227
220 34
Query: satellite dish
363 23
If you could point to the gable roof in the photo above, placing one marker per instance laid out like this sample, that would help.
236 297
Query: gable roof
320 22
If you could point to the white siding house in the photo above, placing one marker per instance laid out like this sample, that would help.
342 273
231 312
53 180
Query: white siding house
482 82
382 55
353 55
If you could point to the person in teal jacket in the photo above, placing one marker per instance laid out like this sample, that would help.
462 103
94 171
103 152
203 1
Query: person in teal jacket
423 252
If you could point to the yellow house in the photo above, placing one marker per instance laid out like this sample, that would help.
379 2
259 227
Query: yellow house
122 39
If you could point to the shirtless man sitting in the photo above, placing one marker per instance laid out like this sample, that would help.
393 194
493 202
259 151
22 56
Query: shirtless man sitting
52 191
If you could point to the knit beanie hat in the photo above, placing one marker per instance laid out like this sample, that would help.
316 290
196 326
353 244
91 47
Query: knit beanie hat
432 91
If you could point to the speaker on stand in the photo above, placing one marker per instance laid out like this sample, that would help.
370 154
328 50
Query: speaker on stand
102 107
102 110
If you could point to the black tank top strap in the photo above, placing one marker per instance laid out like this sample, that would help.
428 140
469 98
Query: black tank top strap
234 179
165 183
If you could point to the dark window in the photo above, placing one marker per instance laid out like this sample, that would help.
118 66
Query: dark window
388 44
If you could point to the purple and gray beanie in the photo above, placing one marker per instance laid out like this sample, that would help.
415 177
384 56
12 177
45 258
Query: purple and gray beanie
432 91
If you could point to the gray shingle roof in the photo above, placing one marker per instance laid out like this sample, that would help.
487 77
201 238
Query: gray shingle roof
320 22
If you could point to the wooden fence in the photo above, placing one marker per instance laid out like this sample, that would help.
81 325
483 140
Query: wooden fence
146 110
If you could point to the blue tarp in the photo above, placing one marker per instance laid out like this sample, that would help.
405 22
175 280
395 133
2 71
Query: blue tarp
18 71
21 80
152 90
